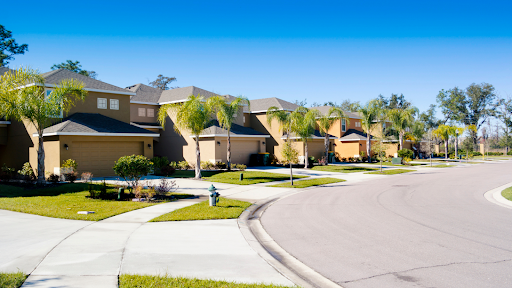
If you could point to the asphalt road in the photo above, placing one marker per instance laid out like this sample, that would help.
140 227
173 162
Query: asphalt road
422 229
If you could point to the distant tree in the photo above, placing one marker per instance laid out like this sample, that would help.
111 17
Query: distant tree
370 114
346 105
504 114
9 47
429 118
303 125
163 82
325 123
470 107
394 102
23 102
301 103
226 115
75 67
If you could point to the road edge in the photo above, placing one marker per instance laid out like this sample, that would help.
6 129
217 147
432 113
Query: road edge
251 228
494 196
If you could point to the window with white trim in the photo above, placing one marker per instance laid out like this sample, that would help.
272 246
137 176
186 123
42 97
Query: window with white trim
114 104
142 112
151 112
343 125
358 124
102 103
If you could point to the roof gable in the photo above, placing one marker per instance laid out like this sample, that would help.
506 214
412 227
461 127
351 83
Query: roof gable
181 94
145 93
56 76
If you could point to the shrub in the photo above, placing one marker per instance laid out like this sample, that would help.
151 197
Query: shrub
132 168
509 152
166 186
405 153
240 167
70 164
27 172
344 159
476 153
92 193
207 165
71 176
87 176
174 165
54 178
183 165
220 165
159 163
406 160
167 170
103 190
7 173
322 161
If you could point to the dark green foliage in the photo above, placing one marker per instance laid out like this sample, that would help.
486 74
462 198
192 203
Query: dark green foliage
132 168
75 67
71 176
159 163
7 173
405 153
163 82
27 172
54 178
9 47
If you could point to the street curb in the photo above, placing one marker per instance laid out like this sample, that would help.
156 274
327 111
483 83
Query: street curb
291 268
494 196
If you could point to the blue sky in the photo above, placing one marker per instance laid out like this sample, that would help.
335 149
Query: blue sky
319 51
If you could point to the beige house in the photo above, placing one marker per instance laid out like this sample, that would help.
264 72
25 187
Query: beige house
213 140
95 132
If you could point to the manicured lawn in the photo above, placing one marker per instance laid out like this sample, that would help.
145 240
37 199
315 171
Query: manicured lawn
12 280
250 177
309 183
441 166
401 165
507 193
342 169
225 209
63 202
137 281
391 171
192 173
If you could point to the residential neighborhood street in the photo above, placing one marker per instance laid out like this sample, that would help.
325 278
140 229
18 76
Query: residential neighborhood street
430 228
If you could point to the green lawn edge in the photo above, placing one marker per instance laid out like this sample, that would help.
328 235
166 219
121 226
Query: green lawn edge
342 168
391 172
308 183
225 209
137 281
507 193
250 177
12 280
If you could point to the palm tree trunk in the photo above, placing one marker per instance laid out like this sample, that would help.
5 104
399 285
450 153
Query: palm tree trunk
368 148
40 158
306 161
446 149
401 140
198 159
229 152
456 147
326 143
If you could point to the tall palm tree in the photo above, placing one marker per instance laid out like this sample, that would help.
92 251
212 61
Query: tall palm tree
284 120
325 123
192 116
417 132
36 104
226 115
303 125
444 132
401 119
370 116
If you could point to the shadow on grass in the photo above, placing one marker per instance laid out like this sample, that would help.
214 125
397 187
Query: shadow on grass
11 191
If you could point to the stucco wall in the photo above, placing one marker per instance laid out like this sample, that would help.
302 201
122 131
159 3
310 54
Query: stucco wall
134 113
90 105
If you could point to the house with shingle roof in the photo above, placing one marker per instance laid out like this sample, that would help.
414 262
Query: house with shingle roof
144 106
95 133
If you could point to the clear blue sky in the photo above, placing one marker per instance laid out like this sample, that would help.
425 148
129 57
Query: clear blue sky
319 50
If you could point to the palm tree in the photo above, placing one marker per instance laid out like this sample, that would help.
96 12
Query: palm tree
370 116
417 132
325 123
303 125
284 120
24 97
226 115
192 116
401 119
444 132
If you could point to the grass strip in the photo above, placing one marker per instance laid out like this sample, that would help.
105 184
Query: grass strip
63 202
342 169
192 173
225 209
137 281
507 193
441 166
250 177
12 280
308 183
391 172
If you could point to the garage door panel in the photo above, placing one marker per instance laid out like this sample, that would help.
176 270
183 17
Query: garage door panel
241 151
99 157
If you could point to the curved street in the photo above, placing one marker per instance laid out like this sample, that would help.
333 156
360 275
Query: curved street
430 228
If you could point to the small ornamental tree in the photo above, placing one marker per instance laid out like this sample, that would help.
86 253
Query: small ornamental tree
291 156
132 168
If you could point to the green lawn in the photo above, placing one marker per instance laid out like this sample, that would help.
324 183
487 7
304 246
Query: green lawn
308 183
342 169
391 172
441 166
400 165
63 202
507 193
192 173
225 209
250 177
12 280
137 281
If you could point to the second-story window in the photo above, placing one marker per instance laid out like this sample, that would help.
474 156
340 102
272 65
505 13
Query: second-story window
343 125
142 112
114 104
358 124
151 112
102 103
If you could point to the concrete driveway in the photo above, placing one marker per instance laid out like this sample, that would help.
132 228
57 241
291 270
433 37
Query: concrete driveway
430 228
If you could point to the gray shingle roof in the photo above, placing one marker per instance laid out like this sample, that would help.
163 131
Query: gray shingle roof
316 134
56 76
325 109
94 123
145 93
181 94
265 103
354 135
4 70
236 130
